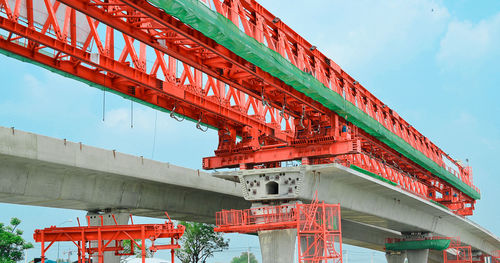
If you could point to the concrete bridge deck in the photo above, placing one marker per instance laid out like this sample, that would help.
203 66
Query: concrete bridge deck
43 171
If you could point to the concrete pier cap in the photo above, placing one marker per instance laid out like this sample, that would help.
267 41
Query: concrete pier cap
269 188
97 218
272 186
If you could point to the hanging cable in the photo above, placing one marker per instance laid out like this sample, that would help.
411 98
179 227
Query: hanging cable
264 102
175 116
154 136
131 114
302 117
282 111
201 127
103 104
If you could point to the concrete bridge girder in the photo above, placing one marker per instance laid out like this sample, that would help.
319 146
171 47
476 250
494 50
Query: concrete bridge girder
42 171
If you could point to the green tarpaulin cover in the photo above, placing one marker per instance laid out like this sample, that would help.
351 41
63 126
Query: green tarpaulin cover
223 31
436 244
376 176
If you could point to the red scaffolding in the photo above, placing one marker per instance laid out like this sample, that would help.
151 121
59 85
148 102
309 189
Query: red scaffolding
495 258
97 239
457 252
318 227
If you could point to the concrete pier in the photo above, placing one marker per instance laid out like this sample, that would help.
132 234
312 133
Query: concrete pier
418 256
278 246
42 171
395 257
107 219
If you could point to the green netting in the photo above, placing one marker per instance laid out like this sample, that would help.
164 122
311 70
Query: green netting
92 84
223 31
376 176
436 244
439 204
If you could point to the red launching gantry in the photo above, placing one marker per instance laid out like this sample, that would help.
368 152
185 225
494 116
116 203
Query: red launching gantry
92 240
190 59
318 227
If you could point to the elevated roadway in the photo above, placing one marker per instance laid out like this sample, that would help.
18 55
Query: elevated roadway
42 171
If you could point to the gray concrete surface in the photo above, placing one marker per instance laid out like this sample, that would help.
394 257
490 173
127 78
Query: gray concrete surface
417 256
106 219
278 246
396 258
364 200
42 171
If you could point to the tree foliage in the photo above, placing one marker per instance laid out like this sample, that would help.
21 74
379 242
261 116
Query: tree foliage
12 244
127 245
243 258
199 243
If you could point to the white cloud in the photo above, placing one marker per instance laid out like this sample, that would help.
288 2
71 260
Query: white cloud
384 32
475 131
468 46
365 33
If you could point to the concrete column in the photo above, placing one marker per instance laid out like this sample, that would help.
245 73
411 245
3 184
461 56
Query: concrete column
107 218
278 246
395 258
418 256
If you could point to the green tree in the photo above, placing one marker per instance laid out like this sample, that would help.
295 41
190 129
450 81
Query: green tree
199 243
243 258
12 244
137 250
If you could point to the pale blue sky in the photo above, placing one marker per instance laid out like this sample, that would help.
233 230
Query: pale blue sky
437 63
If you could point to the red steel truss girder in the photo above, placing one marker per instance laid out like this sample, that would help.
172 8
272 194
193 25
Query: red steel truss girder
233 62
365 100
405 181
193 98
192 94
268 16
257 22
260 23
213 60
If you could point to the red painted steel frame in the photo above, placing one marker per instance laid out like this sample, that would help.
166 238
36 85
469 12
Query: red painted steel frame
457 252
139 51
82 236
318 227
495 258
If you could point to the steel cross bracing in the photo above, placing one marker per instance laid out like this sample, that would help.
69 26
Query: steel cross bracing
319 231
495 258
93 241
137 50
